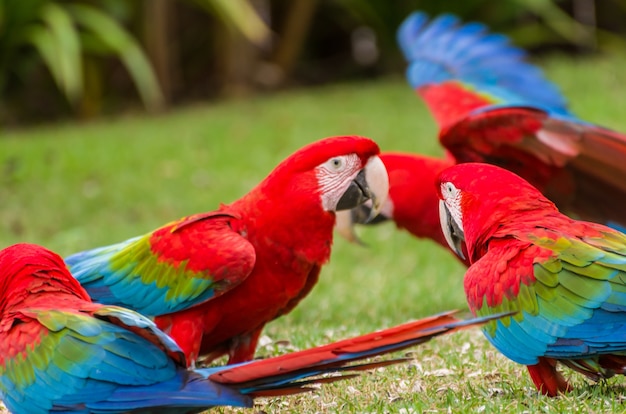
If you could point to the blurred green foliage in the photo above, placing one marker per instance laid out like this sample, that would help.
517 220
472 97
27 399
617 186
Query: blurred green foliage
71 37
532 24
59 34
239 15
104 54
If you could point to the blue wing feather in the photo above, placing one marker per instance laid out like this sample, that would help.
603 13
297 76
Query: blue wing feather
187 389
443 50
515 343
579 304
175 267
93 269
92 365
80 261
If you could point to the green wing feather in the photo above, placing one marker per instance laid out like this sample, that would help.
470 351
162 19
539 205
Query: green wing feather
570 293
74 358
177 266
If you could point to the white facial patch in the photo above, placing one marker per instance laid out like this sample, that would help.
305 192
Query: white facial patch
452 199
334 177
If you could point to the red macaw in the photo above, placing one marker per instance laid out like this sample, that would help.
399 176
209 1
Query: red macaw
213 280
566 279
412 201
60 352
493 106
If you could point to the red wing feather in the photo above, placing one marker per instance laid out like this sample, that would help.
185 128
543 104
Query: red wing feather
579 166
451 101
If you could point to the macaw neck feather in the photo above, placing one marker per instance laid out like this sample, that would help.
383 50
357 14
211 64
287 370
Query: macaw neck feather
514 217
411 175
285 216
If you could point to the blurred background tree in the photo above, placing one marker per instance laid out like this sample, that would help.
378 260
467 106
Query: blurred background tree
83 58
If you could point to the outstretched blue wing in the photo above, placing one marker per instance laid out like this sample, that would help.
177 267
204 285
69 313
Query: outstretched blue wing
444 50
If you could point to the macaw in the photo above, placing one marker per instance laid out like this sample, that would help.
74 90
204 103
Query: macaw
61 352
493 106
213 280
411 203
565 278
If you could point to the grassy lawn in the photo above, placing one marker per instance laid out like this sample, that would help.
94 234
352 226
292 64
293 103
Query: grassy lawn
72 187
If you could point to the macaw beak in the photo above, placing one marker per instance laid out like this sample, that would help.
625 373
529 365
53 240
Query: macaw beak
371 183
346 220
452 232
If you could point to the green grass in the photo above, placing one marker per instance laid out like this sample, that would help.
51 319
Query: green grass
72 187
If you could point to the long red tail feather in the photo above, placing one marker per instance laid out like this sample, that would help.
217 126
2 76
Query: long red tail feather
283 371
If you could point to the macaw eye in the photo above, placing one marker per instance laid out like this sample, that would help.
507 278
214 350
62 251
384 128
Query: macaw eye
335 164
449 190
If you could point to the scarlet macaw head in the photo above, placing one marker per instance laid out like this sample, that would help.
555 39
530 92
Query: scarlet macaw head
340 172
351 174
476 199
345 183
450 216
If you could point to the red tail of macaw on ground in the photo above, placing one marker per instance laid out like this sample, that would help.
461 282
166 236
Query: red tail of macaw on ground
60 352
213 280
566 279
493 106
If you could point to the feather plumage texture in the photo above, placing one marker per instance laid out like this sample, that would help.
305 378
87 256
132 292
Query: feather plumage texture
412 201
493 106
442 51
566 278
213 280
59 352
180 265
